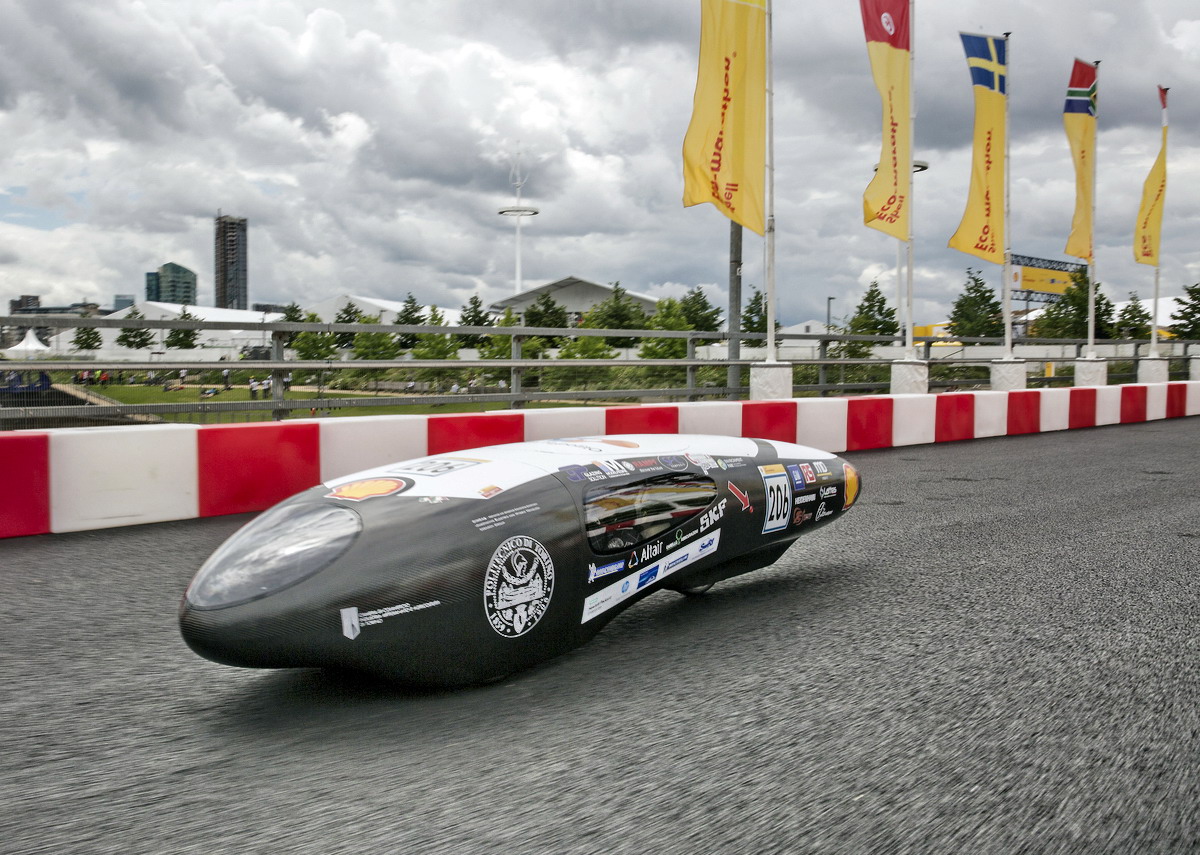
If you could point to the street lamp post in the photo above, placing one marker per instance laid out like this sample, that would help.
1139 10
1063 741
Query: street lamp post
520 212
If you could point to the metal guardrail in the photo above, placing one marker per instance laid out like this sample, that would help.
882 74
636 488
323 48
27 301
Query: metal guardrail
511 382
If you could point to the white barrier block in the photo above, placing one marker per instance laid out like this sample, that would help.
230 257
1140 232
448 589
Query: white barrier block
718 418
356 443
1156 401
1108 405
991 414
104 477
1192 407
1055 409
563 422
914 419
821 423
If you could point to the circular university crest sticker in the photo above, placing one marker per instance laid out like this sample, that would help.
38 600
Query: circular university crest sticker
517 586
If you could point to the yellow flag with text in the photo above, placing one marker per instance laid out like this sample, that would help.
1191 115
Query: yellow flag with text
981 232
886 202
724 151
1079 121
1147 232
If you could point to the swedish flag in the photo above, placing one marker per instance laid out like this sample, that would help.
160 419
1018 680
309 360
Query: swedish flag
981 232
987 59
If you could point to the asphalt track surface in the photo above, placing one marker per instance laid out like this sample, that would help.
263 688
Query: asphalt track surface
996 651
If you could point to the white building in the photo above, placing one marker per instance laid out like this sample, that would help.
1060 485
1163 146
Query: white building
211 345
327 310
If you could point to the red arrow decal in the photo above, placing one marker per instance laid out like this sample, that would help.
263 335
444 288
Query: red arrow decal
740 496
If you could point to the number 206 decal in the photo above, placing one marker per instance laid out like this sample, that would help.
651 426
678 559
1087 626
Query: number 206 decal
779 497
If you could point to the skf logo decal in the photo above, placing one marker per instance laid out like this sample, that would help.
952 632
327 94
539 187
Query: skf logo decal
713 515
369 488
740 496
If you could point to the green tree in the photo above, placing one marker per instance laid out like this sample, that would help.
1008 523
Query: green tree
1187 317
701 314
545 312
474 315
668 315
412 314
135 338
976 312
1134 319
374 346
1068 316
435 345
87 338
872 316
439 346
293 314
754 317
617 312
559 377
314 344
500 346
184 339
348 314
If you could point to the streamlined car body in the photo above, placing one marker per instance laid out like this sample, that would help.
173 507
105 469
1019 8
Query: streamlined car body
460 568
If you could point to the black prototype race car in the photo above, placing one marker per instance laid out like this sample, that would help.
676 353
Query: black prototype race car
461 568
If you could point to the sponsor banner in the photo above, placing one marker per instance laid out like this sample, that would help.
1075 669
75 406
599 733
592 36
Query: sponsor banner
599 571
621 590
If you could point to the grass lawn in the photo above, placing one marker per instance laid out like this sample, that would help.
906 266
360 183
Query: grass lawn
191 394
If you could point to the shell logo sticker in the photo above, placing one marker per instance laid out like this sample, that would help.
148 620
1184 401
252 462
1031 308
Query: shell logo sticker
853 485
369 488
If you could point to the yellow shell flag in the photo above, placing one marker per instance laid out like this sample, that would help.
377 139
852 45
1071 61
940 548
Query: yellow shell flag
886 202
724 151
1147 232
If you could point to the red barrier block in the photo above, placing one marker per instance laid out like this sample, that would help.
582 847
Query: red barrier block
1133 404
1082 413
1024 412
641 420
1176 400
868 423
769 420
25 503
471 430
955 419
251 467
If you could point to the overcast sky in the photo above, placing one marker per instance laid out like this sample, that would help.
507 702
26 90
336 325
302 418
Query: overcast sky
369 144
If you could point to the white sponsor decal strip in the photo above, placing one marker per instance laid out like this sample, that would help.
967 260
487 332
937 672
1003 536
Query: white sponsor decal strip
672 562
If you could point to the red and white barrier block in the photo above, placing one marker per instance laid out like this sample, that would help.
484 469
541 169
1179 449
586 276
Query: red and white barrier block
89 478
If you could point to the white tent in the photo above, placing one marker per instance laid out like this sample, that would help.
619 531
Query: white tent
28 348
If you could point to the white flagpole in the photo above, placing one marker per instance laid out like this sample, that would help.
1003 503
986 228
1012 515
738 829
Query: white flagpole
1092 234
910 352
1158 260
770 245
1006 286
